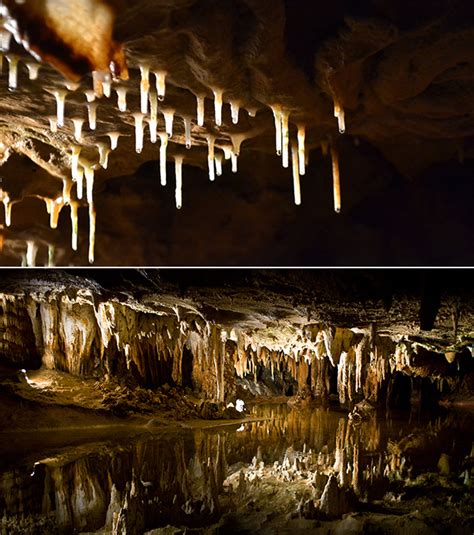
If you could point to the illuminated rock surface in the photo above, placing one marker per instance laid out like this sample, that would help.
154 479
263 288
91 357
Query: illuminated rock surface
260 76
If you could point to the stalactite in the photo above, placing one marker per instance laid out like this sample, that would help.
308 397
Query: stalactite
74 224
114 139
144 87
187 131
301 149
296 175
340 116
102 83
201 100
139 128
285 129
67 187
78 124
211 140
31 252
104 152
121 98
218 103
33 69
54 207
219 157
53 124
153 120
80 182
168 115
178 159
60 96
336 179
163 150
235 110
89 176
277 114
13 60
76 152
161 84
92 223
92 114
90 95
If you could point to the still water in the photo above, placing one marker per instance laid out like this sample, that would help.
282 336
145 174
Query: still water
201 477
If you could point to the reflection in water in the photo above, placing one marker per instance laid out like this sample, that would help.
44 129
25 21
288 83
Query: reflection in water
192 477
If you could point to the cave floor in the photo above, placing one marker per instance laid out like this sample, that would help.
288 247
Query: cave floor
284 469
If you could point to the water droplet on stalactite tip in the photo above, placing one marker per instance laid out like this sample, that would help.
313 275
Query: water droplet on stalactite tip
74 224
114 139
296 175
219 157
163 150
139 127
92 224
31 252
187 131
277 114
218 103
340 115
121 98
285 131
33 70
178 160
200 109
301 149
104 151
13 60
169 121
211 140
161 84
144 87
153 120
78 124
336 179
235 110
92 114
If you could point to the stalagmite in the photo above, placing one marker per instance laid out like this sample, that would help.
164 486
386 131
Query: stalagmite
211 140
92 222
13 60
301 149
144 87
218 103
121 97
336 179
92 114
285 132
178 161
31 252
153 120
104 151
187 131
8 210
340 115
78 124
200 109
90 95
235 110
161 84
277 114
114 139
163 148
139 127
219 160
33 70
53 124
60 96
296 175
74 224
168 114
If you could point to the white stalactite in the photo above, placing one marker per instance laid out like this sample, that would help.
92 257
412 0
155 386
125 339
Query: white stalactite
76 152
90 95
78 124
200 109
144 87
67 188
153 121
187 131
33 70
168 114
114 139
92 224
296 175
336 179
60 96
80 182
54 207
285 132
277 114
234 159
92 114
102 83
341 118
8 210
163 150
211 140
218 103
219 157
301 149
89 175
235 110
74 224
178 161
104 151
13 60
161 84
53 124
121 98
31 252
139 127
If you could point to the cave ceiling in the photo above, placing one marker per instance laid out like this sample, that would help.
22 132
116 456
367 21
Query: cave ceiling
382 84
